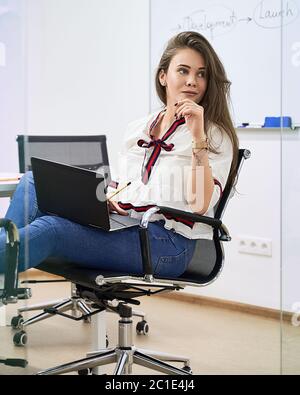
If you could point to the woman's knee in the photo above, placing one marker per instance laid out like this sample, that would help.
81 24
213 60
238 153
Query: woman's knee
27 178
55 225
47 221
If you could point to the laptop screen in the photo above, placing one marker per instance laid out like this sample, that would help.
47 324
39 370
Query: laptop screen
71 192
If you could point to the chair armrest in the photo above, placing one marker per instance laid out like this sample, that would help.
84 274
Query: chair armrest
213 222
145 244
143 232
10 292
146 252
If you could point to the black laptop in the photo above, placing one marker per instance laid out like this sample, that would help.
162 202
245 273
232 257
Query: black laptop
76 194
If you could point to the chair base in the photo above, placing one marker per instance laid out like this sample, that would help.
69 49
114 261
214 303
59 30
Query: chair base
77 306
124 360
125 355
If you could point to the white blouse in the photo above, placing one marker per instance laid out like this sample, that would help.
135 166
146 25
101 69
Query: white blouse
159 169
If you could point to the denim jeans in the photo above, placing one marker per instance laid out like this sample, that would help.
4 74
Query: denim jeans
42 236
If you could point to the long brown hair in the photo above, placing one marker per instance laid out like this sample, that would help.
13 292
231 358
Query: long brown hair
217 95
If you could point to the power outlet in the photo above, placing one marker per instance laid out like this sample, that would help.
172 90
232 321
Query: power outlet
254 245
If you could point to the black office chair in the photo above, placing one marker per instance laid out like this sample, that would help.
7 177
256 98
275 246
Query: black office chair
10 293
85 151
89 152
103 287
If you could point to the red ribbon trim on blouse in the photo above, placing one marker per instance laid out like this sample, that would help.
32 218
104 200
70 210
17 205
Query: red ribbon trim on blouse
158 146
216 182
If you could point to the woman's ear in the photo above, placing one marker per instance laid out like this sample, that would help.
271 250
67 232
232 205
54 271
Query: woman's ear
162 78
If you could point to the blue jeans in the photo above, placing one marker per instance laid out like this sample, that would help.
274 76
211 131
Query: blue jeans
42 236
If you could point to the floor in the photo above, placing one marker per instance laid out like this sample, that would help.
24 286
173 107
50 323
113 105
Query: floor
218 341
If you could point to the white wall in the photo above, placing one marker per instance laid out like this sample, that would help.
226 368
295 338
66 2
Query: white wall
12 84
254 211
12 81
290 220
88 71
88 66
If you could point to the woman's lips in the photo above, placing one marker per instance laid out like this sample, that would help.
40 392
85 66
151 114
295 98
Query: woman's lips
190 93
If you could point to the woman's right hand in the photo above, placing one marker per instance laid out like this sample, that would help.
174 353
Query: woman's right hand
114 206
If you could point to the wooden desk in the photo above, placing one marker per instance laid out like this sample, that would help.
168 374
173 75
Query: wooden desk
7 188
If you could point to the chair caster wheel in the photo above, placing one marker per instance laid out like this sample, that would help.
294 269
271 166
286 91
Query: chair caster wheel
187 369
17 321
142 328
20 339
85 372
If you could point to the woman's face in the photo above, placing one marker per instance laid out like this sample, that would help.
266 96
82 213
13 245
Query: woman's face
185 78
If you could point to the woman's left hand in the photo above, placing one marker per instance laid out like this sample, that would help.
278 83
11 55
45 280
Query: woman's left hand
194 117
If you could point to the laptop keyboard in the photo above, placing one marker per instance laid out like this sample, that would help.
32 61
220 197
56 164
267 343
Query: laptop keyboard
122 221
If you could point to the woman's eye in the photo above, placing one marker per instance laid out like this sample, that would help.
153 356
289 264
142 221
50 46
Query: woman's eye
182 71
201 74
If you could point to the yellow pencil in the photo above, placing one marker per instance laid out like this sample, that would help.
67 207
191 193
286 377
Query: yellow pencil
9 179
118 191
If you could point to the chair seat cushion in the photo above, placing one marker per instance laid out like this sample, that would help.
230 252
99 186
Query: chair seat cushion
204 266
81 274
74 272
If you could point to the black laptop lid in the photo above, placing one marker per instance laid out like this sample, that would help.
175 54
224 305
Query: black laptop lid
70 192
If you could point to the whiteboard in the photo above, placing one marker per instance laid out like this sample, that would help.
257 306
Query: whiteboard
257 41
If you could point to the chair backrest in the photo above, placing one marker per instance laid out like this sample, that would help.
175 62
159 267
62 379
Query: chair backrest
89 152
208 258
228 191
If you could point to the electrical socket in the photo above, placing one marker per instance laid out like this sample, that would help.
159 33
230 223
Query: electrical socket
255 245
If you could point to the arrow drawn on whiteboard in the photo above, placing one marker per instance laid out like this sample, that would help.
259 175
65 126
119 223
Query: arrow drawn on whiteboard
248 19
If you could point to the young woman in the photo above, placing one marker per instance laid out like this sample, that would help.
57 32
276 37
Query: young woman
181 157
